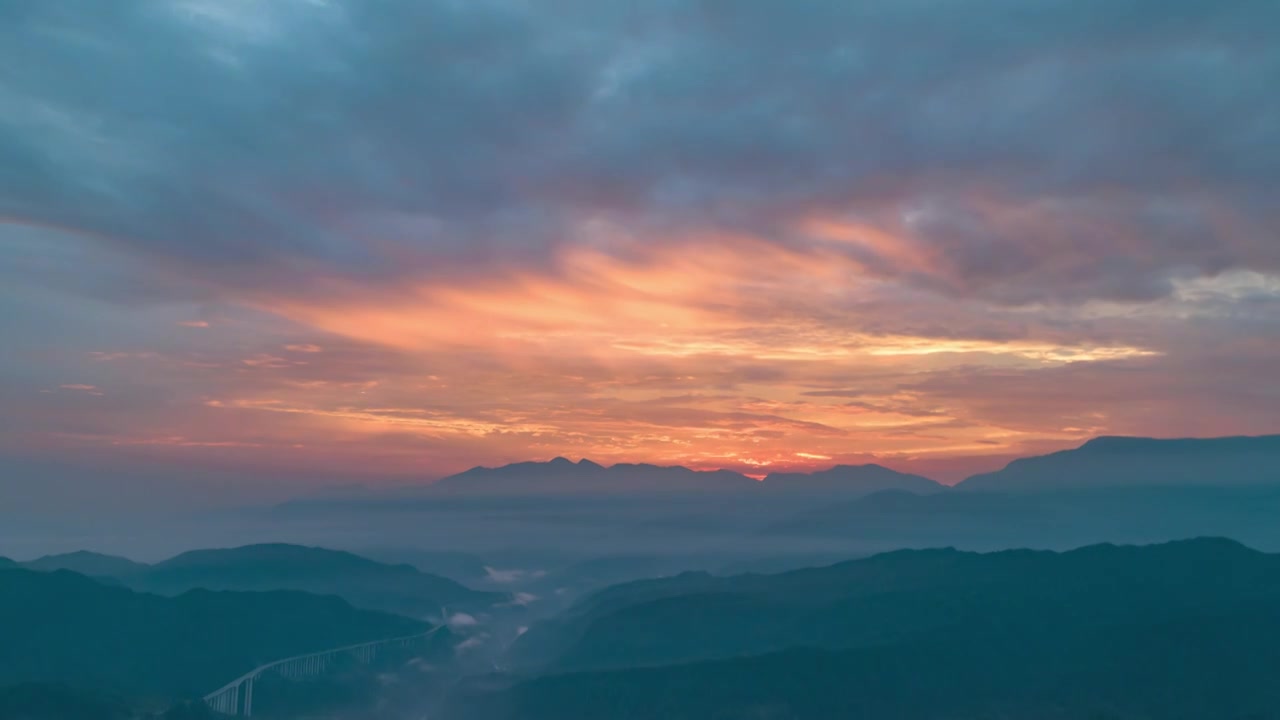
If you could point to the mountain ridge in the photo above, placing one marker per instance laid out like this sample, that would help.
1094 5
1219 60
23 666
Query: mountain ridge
561 475
1174 461
868 477
896 596
87 562
62 626
396 588
1114 461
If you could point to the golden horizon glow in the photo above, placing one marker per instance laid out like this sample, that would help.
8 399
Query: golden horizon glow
711 350
669 352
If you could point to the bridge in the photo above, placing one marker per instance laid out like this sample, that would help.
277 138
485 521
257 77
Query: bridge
236 697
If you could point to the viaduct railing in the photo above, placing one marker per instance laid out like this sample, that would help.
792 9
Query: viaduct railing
236 697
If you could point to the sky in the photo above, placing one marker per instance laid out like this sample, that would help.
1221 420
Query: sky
260 246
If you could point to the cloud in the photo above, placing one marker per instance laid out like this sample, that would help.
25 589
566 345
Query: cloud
1010 153
462 620
270 362
441 234
471 643
521 599
375 104
507 577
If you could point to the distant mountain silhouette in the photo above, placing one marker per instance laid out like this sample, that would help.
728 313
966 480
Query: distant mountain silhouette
401 589
1128 461
88 563
1101 462
1050 518
851 479
899 597
62 627
7 563
565 477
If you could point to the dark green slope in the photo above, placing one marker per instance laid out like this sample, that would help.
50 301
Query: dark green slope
1182 630
65 628
1201 666
400 589
896 597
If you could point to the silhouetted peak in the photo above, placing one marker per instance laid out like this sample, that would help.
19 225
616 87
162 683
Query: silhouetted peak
1120 461
562 476
1206 549
265 553
76 554
1107 440
859 479
80 555
275 547
557 465
1211 543
1147 444
1124 442
86 562
847 470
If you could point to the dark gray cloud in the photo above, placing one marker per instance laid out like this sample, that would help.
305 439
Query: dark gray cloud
1055 151
243 133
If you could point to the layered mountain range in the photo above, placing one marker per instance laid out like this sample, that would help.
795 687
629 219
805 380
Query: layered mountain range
63 627
1179 630
365 583
1101 462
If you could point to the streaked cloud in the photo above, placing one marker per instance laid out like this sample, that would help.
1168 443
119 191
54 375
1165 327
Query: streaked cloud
417 236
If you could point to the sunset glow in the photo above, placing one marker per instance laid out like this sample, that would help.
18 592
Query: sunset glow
639 251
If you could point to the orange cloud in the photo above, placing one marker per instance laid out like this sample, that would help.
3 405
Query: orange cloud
714 350
708 296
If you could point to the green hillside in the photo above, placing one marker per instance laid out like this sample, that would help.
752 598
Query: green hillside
65 628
